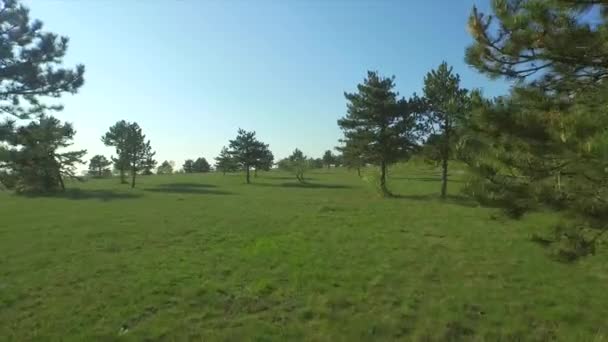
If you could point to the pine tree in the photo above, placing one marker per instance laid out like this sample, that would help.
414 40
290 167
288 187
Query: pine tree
201 165
352 156
265 159
36 165
133 151
30 61
383 126
445 109
225 162
98 166
246 150
545 145
165 168
149 163
188 166
137 150
31 73
116 137
328 159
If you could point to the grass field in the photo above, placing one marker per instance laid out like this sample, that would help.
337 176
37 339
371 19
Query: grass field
207 257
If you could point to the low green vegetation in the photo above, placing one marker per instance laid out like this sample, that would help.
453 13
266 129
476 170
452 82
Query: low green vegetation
202 256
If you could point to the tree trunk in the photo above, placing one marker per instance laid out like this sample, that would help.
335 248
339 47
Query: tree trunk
247 172
60 178
255 173
444 177
133 178
444 159
123 178
359 171
383 178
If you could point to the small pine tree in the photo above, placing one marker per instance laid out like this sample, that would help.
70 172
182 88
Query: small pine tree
35 163
225 162
99 166
201 165
328 159
165 168
188 166
247 151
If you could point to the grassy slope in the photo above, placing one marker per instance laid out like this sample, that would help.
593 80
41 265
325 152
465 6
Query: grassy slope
206 256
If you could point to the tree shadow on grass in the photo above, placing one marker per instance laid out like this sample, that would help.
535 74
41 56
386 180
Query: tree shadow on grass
188 188
304 185
86 194
451 199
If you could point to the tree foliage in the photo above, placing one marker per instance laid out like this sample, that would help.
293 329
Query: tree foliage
31 63
383 127
328 158
34 162
99 166
224 162
296 163
546 144
265 161
445 107
165 168
201 165
352 156
133 152
247 151
116 137
188 166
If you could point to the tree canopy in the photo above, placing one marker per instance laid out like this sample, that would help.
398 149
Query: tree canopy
544 145
165 168
297 163
31 63
445 108
247 151
35 163
383 126
224 162
99 166
133 151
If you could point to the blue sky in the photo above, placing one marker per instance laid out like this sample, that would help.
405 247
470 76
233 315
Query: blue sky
191 72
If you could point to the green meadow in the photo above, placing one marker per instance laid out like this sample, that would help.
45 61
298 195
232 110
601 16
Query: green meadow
207 257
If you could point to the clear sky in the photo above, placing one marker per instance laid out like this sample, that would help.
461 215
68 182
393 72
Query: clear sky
191 72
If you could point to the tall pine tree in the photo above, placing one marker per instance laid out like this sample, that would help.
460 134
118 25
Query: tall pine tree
545 145
383 126
445 108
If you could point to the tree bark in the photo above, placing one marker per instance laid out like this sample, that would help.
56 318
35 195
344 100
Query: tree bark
133 178
123 178
444 159
383 178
